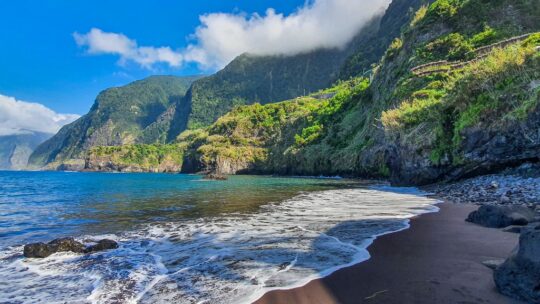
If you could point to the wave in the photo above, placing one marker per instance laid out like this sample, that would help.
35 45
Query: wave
230 259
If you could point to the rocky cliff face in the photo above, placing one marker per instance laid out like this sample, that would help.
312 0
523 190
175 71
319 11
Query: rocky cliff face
107 164
140 112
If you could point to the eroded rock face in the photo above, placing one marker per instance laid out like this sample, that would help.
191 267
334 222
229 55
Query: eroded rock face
483 150
519 276
495 216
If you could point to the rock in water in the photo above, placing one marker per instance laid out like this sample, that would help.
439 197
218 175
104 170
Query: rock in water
104 244
494 216
519 275
66 244
42 250
38 250
215 176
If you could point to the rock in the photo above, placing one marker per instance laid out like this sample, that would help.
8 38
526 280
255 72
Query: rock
519 276
513 229
215 176
42 250
67 244
37 250
104 244
493 264
495 216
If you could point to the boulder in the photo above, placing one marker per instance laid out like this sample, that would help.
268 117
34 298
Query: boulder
38 250
215 176
66 244
519 276
42 250
495 216
104 244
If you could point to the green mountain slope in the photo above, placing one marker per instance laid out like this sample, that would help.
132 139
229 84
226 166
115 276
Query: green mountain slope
141 112
476 112
16 149
263 79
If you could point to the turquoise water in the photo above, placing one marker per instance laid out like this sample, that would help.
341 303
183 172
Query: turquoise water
187 240
37 206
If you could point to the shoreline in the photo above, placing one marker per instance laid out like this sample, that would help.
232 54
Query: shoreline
438 261
365 247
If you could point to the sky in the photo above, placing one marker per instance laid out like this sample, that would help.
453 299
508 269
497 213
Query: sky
59 54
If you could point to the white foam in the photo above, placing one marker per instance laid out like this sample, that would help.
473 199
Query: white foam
230 259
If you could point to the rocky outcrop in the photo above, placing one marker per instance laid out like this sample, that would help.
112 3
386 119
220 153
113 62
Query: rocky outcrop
42 250
107 164
67 244
101 245
519 276
484 149
494 216
215 176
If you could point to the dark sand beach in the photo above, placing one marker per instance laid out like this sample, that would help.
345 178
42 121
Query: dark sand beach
437 260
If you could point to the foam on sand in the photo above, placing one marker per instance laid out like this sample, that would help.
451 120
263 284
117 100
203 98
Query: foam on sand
230 259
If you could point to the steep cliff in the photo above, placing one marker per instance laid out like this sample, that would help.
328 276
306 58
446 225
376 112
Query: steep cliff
141 112
473 111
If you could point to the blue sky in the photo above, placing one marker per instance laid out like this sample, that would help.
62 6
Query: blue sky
57 55
40 61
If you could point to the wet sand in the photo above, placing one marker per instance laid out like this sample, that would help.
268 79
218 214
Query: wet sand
437 260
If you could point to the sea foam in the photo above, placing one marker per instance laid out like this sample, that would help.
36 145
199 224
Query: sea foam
231 259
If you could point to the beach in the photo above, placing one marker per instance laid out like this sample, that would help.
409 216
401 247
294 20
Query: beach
437 260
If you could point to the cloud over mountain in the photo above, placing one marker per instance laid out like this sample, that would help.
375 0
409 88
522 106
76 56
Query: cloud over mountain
221 37
19 117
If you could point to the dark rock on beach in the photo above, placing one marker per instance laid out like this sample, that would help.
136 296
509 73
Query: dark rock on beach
494 216
42 250
104 244
519 186
519 275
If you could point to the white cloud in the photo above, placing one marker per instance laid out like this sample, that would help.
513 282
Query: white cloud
99 42
221 37
319 24
19 117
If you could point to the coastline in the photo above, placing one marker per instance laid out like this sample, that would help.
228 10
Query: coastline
438 261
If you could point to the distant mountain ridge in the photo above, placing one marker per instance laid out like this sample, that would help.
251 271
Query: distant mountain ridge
16 149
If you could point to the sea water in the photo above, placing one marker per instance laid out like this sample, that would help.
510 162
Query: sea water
188 240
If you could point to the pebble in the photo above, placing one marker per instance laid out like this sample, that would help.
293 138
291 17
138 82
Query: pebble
511 187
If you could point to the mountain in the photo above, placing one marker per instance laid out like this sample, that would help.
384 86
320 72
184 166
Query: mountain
140 112
264 79
457 94
16 149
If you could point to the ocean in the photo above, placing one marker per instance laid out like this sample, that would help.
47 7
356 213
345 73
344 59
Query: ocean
188 240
